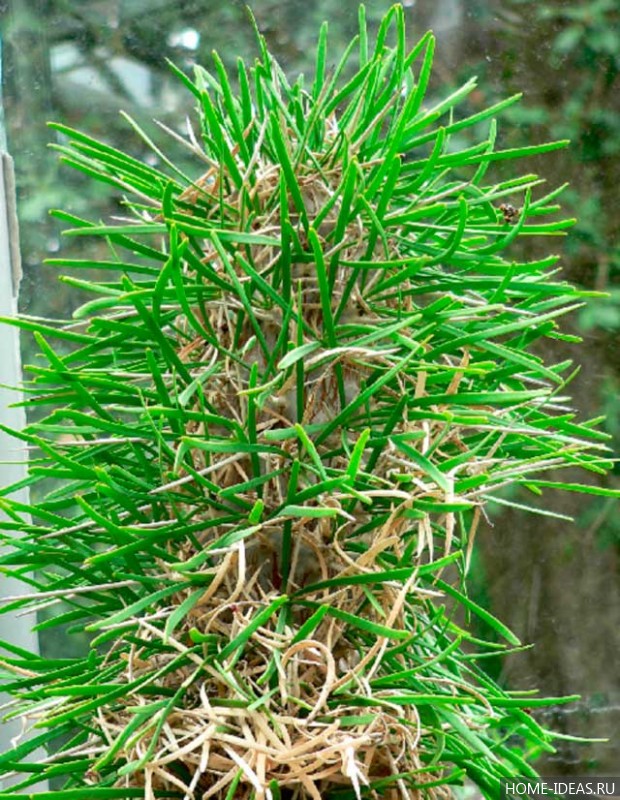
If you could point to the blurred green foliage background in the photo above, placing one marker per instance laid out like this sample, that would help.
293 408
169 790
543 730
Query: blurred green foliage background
80 61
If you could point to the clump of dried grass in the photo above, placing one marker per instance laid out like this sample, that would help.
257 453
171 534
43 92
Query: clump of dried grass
301 734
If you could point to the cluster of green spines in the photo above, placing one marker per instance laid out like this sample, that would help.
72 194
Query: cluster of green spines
306 203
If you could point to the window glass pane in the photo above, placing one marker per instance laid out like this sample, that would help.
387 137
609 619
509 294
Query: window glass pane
79 62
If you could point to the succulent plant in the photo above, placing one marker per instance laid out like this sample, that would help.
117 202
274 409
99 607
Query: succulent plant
274 431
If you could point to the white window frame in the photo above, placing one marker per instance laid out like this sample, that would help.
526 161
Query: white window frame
13 629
